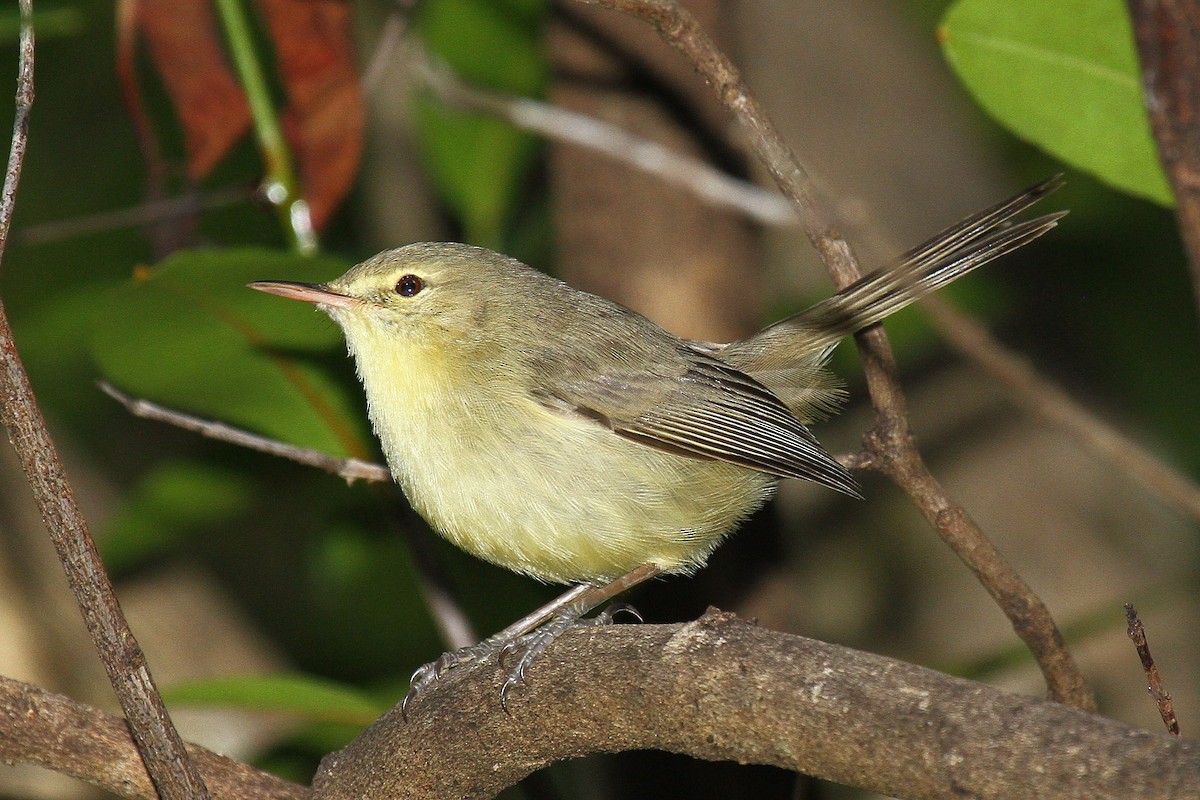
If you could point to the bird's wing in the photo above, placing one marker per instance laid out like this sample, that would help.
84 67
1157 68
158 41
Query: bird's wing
684 401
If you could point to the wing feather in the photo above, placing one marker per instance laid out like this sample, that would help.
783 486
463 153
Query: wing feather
694 404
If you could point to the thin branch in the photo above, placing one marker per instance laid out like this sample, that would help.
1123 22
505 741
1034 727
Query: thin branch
74 739
613 141
891 442
723 689
391 36
571 127
350 469
149 213
20 135
173 773
1042 397
1167 33
1166 707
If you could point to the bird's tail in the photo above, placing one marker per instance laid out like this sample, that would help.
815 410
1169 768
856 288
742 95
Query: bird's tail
789 353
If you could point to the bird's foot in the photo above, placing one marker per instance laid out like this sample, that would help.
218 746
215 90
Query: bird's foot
428 675
529 636
526 647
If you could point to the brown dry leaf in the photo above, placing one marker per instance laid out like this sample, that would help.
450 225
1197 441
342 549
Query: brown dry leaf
185 47
324 119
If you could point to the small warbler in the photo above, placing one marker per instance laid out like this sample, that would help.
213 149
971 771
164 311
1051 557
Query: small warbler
563 436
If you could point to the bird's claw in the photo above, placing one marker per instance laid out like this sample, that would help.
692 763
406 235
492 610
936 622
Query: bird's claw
608 615
427 675
527 648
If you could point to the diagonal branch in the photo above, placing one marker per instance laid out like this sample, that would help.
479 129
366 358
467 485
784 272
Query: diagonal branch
600 136
1168 42
891 446
74 739
174 775
349 469
451 620
1042 397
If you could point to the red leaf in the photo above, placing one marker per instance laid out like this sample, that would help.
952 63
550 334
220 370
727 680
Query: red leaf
185 47
324 119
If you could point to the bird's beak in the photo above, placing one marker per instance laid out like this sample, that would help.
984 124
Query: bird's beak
317 293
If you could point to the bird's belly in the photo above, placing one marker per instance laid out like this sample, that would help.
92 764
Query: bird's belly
564 499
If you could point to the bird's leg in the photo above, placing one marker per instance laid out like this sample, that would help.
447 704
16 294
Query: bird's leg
429 674
569 615
530 635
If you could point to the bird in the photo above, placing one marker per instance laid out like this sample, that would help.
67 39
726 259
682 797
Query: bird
565 437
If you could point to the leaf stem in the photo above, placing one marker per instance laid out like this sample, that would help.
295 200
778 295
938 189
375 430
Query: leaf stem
280 185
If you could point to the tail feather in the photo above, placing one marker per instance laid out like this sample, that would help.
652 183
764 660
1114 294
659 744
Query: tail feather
951 254
785 355
886 291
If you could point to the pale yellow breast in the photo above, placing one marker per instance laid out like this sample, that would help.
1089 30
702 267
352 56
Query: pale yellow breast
552 495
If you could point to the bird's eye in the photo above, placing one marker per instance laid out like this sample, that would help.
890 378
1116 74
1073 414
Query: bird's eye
409 286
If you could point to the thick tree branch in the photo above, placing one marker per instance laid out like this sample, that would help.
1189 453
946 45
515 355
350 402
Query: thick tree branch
52 731
723 689
891 444
174 775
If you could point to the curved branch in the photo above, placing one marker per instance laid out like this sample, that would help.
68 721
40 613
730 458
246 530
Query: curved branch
74 739
723 689
891 446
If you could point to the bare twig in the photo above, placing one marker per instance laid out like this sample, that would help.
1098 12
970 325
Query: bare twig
391 36
1040 396
1168 42
1166 708
571 127
148 213
451 621
724 690
613 141
351 469
173 773
74 739
891 442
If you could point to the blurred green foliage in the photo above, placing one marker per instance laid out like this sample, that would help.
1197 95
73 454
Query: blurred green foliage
478 164
190 334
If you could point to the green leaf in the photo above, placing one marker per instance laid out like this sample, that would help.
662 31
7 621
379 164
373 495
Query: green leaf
313 699
174 501
49 22
477 163
1065 76
191 336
